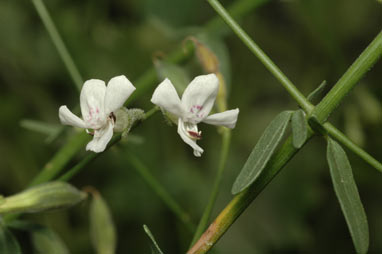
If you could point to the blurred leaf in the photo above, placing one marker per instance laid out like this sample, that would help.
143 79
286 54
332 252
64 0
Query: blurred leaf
218 47
102 229
317 92
213 57
176 74
47 241
8 243
154 246
353 127
262 152
347 194
51 130
369 104
299 128
47 196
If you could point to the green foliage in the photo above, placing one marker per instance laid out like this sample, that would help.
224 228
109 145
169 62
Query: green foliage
8 243
299 128
46 240
347 194
43 197
262 152
102 229
154 246
316 93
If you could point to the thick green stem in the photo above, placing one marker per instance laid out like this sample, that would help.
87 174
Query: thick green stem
343 86
226 139
58 43
256 50
153 183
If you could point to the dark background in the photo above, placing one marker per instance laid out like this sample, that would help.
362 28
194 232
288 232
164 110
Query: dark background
310 40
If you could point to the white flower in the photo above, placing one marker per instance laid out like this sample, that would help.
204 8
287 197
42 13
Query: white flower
194 107
98 103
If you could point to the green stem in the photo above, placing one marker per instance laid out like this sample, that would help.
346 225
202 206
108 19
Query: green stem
242 200
58 43
255 49
340 137
153 183
226 138
343 86
61 158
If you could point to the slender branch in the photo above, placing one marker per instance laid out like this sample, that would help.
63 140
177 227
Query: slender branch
226 139
350 78
58 43
61 158
340 137
158 188
256 50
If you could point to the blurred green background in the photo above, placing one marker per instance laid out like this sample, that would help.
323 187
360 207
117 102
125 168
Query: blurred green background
310 40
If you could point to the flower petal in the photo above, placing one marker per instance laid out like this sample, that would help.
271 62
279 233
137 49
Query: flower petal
101 138
92 103
227 118
118 90
183 134
199 97
166 97
68 118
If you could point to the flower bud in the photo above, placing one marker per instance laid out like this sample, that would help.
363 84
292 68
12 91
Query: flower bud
47 196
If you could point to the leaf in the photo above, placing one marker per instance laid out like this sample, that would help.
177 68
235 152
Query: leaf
299 128
8 243
317 92
47 241
154 246
214 58
50 130
347 194
262 152
102 229
43 197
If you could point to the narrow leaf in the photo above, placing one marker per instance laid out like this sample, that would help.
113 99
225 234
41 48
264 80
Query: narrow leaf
8 243
50 130
299 128
47 241
347 194
154 246
102 229
317 92
262 152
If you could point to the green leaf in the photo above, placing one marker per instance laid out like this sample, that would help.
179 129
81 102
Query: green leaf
262 152
299 128
47 241
154 246
50 130
102 229
347 194
8 243
43 197
317 92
